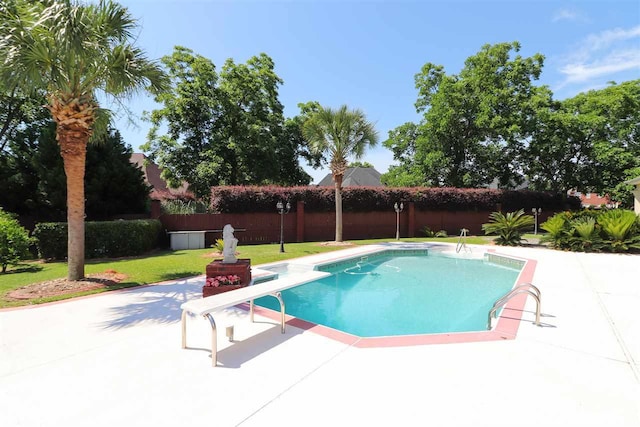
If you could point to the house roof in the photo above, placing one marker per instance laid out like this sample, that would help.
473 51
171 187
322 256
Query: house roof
153 177
355 177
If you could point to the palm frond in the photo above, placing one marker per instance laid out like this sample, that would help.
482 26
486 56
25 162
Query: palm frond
74 49
508 227
617 224
339 133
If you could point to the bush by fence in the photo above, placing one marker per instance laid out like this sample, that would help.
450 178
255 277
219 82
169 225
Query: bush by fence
14 241
102 239
238 199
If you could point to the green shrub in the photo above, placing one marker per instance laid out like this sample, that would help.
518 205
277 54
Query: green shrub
102 239
184 207
508 227
235 199
620 229
616 230
585 235
218 245
14 241
556 230
429 233
51 238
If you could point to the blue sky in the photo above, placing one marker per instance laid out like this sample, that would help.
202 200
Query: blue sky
365 53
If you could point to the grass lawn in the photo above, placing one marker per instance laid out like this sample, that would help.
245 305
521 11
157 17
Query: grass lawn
168 265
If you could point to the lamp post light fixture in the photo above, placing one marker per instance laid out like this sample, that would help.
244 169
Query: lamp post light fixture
282 210
398 209
535 213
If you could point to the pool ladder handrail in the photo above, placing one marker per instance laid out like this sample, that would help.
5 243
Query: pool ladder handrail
524 288
462 241
363 261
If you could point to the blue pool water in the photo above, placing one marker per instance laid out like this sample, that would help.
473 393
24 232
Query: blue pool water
400 295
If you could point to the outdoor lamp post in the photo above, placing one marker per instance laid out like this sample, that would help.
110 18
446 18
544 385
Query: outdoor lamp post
398 210
282 210
535 213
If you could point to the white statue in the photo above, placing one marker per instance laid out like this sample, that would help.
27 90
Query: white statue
230 243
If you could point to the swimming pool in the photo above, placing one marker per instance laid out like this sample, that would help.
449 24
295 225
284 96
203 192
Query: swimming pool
395 293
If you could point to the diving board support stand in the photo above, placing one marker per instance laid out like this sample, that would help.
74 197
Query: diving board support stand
207 306
214 330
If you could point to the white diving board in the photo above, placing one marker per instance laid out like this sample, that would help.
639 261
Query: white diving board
206 306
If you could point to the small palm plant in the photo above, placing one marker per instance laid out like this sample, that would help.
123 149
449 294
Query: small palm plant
508 227
556 231
619 226
588 236
218 245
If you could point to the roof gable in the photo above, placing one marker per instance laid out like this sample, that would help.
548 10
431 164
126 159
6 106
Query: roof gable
355 177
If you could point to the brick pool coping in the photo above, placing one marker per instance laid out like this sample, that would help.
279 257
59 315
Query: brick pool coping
505 329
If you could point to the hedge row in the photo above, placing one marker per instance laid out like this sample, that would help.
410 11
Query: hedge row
107 239
236 199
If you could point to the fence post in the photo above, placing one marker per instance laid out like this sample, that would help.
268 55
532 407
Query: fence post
300 221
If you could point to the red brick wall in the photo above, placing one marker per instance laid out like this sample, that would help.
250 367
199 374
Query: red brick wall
259 228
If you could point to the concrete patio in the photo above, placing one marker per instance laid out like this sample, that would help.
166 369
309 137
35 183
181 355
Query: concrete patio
115 359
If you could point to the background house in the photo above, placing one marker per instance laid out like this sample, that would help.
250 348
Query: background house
636 193
355 177
593 200
153 177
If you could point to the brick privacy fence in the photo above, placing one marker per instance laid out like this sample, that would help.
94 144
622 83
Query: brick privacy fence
301 226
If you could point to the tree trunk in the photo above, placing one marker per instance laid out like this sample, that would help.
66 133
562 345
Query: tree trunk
73 148
338 185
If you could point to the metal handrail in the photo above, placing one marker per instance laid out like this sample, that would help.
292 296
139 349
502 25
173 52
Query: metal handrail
508 295
462 243
524 288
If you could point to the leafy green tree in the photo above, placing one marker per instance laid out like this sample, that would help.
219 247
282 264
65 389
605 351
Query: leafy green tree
33 183
588 142
402 142
113 185
294 147
14 241
474 123
360 165
72 51
339 134
22 120
224 128
623 193
20 114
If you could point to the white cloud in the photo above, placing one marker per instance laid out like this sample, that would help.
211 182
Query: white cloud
595 42
601 55
610 64
568 15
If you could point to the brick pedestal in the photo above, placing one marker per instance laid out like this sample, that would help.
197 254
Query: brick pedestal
242 269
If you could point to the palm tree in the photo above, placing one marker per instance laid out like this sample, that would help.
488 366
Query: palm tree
339 134
74 52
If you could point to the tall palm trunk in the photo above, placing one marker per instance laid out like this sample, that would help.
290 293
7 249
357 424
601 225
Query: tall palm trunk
73 148
74 118
338 184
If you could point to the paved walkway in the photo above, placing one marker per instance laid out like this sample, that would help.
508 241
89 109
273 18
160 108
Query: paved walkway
115 359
